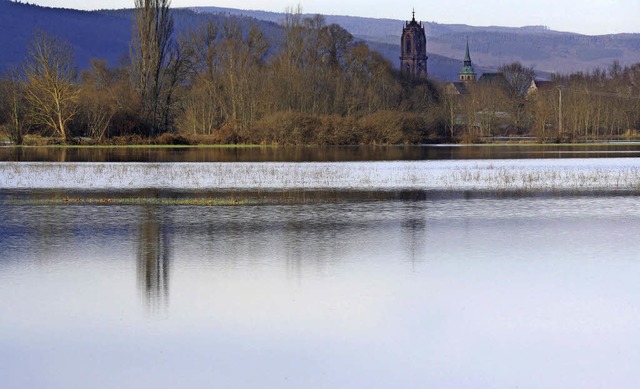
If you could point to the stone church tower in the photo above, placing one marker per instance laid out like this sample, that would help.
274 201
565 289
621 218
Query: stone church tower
413 58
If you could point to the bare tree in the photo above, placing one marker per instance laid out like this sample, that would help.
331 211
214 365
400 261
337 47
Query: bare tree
12 106
202 105
518 80
545 105
156 61
97 99
51 88
450 104
227 77
335 42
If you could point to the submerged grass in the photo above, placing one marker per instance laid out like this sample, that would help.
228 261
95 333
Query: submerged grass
209 202
209 199
497 176
277 198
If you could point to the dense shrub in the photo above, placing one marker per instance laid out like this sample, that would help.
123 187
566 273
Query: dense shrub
230 133
390 127
387 127
285 128
171 139
338 130
124 140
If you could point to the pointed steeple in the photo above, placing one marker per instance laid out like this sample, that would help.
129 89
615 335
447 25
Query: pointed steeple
467 73
467 57
413 21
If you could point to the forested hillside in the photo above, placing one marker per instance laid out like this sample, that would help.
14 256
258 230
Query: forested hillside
545 50
104 34
92 34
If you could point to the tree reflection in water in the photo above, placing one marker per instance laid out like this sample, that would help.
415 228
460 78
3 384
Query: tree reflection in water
154 255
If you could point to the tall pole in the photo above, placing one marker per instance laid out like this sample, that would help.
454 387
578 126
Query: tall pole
560 111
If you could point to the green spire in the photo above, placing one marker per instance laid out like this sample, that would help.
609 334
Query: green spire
467 73
467 57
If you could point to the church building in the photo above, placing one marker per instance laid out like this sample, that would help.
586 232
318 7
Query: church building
413 56
413 53
467 74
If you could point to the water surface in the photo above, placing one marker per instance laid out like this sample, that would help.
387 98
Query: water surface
516 292
314 154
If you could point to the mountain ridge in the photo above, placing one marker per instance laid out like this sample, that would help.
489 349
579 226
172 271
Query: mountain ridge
547 50
106 34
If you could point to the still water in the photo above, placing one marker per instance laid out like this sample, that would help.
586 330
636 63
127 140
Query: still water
316 154
441 293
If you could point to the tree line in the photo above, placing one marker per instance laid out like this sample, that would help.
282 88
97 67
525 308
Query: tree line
228 83
582 106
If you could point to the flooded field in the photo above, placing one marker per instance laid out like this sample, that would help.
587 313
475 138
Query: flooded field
512 292
407 272
529 175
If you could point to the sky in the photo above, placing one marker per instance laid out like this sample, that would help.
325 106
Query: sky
591 17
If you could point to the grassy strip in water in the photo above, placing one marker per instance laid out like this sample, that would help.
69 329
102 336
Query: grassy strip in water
131 201
287 197
222 198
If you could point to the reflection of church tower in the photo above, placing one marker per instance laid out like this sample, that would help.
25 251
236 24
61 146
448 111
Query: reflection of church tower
467 73
413 58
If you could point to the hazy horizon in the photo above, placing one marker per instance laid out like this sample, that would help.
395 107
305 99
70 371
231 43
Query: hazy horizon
584 17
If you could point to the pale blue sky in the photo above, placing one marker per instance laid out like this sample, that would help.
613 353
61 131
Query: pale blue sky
585 16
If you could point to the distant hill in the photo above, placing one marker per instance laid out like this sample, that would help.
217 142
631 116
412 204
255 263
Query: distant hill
382 35
106 34
546 50
92 34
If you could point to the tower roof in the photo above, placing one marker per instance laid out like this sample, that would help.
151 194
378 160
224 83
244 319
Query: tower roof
467 57
413 22
468 67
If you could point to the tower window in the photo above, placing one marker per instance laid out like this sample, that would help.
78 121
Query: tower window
408 45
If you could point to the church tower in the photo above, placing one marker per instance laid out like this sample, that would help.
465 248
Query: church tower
413 52
467 73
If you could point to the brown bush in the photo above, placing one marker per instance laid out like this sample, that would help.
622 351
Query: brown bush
337 130
469 137
200 139
391 127
34 140
126 140
171 139
231 132
629 134
286 128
